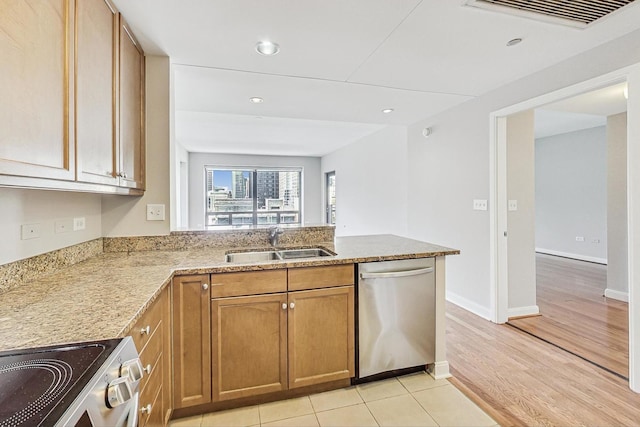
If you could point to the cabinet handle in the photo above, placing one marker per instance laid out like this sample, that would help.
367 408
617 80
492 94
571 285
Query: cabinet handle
284 305
146 409
147 369
292 305
205 286
145 330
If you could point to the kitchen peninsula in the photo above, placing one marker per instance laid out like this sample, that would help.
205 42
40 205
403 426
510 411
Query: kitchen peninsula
119 279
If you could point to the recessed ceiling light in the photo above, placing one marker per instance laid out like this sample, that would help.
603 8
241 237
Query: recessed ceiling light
256 100
267 48
514 42
387 110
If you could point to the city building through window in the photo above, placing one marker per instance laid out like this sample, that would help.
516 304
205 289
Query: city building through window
243 196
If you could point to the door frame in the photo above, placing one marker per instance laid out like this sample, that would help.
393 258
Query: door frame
498 200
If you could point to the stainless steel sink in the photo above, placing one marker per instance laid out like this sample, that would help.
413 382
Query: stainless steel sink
303 253
253 256
262 256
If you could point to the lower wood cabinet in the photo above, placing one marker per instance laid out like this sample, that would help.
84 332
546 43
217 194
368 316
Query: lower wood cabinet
249 345
191 341
275 342
152 336
321 336
254 337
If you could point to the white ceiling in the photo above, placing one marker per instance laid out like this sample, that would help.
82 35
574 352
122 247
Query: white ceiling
341 63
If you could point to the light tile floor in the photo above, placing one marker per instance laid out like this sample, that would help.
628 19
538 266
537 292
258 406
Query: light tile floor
411 400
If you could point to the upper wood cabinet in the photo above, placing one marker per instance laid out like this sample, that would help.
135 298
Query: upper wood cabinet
36 112
96 86
132 114
72 111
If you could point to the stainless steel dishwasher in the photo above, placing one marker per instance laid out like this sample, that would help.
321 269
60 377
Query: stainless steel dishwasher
396 315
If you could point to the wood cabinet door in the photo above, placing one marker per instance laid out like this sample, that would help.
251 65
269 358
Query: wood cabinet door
191 340
95 78
132 114
249 352
321 336
36 130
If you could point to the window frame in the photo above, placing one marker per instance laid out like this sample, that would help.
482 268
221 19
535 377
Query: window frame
255 212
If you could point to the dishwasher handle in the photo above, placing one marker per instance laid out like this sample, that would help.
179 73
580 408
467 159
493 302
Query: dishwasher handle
394 274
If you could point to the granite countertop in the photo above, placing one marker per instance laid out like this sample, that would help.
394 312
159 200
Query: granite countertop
105 295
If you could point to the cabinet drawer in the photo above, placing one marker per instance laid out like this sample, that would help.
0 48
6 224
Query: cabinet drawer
248 283
147 325
150 355
320 277
154 417
150 389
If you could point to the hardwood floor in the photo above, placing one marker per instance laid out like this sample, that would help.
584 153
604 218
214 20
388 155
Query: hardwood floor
576 316
523 381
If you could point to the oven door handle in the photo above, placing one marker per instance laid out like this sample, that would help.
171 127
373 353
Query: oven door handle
132 419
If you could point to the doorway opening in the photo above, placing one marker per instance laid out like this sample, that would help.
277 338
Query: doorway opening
581 285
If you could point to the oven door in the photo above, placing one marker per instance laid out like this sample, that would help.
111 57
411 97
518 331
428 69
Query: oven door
125 415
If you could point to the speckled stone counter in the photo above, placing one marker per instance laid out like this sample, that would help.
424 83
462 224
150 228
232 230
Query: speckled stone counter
103 296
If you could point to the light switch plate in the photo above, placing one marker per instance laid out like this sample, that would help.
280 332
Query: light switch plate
512 205
155 212
479 205
79 223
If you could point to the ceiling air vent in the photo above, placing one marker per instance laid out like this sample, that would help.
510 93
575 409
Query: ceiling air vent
575 13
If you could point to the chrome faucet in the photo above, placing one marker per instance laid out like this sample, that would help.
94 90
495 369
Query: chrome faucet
274 234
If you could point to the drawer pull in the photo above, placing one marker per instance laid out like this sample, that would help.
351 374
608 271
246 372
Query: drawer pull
284 305
146 409
147 369
205 286
292 306
145 330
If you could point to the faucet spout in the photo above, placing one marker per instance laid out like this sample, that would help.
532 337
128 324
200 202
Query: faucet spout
274 235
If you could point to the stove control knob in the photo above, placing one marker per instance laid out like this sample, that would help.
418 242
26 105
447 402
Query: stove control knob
132 369
118 392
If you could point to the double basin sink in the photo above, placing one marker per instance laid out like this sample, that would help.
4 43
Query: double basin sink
277 255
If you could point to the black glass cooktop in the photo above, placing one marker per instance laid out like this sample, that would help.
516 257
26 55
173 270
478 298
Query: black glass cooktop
38 384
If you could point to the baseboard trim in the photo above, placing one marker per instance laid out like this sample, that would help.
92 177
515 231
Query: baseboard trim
532 310
572 256
469 305
439 370
617 295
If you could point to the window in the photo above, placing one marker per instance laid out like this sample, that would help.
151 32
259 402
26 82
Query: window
330 197
243 196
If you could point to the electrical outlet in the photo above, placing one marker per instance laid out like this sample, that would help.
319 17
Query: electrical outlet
579 239
79 223
479 205
155 212
30 231
63 226
595 240
512 205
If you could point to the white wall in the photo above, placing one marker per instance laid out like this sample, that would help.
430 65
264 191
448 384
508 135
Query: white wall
571 194
617 275
521 222
371 184
126 215
45 208
312 186
451 168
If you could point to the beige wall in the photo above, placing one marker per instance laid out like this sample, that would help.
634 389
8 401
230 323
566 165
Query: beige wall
125 215
617 275
521 223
